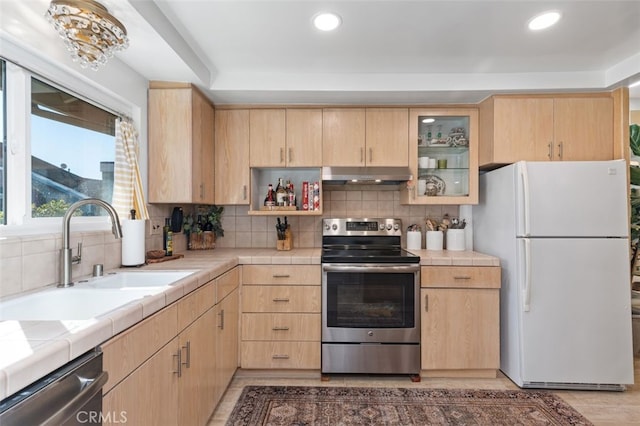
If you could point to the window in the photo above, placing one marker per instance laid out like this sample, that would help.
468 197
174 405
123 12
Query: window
3 144
57 148
72 151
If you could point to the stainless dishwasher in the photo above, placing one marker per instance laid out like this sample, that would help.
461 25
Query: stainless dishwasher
71 395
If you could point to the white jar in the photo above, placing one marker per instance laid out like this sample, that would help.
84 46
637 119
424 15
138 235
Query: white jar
435 240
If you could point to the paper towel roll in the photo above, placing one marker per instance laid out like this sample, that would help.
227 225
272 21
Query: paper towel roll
132 242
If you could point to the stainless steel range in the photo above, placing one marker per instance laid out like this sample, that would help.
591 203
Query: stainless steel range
370 298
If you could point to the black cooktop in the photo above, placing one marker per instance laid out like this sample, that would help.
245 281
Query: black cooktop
368 255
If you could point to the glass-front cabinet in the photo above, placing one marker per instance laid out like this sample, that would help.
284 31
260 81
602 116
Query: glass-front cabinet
443 156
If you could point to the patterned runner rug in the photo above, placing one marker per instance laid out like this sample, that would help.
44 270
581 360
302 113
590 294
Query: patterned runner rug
335 406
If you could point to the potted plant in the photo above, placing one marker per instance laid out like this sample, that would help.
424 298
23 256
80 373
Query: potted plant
202 232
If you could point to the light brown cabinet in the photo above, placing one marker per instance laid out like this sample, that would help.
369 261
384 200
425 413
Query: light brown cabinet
365 137
187 353
443 157
460 321
285 137
546 128
181 150
281 317
232 176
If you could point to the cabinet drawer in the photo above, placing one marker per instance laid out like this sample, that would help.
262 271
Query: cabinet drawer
226 283
281 274
301 355
267 298
126 351
195 304
460 276
281 327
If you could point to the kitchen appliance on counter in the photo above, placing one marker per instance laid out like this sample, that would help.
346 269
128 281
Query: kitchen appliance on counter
71 395
370 299
560 230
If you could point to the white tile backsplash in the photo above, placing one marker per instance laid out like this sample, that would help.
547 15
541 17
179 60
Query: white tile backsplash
34 261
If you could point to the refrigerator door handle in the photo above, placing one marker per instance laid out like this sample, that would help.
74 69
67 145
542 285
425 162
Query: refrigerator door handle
526 297
524 175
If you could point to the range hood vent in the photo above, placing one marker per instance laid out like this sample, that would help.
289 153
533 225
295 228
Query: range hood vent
365 175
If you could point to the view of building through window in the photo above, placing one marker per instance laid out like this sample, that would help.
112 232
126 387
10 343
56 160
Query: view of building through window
72 151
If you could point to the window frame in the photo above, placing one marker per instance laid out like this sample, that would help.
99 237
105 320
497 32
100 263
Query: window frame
18 159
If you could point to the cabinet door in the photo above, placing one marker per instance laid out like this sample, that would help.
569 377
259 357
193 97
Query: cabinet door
232 157
227 313
523 129
149 395
443 157
304 137
387 137
203 152
343 137
170 148
198 381
267 138
583 129
460 329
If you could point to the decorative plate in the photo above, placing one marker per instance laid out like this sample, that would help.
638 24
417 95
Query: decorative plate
434 184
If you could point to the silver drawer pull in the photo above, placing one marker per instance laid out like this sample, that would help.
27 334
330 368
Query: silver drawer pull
281 299
461 277
280 328
281 276
280 357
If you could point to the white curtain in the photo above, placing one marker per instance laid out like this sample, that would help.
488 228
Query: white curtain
127 187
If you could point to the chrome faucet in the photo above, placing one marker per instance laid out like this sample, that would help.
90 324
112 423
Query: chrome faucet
66 256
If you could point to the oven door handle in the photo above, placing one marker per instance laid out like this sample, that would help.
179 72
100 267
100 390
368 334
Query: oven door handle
366 267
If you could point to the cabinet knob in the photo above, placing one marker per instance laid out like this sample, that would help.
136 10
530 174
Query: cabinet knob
550 153
281 299
560 150
283 356
280 328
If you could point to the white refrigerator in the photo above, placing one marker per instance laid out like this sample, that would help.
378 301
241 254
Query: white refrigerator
560 230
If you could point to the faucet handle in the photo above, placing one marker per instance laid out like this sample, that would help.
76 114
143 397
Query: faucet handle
77 258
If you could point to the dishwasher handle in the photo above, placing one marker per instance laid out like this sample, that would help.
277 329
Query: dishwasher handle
90 387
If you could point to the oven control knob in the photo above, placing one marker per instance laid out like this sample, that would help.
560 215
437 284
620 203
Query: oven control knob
389 227
334 227
381 226
396 226
327 227
370 333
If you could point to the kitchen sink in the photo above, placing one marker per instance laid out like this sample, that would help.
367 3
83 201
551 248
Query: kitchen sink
59 304
131 280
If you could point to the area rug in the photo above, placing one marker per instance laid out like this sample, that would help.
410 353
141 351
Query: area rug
336 406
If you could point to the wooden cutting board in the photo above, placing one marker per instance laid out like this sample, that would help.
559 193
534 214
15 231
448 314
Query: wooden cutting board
165 259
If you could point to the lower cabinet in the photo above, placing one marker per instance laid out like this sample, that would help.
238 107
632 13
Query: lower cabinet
460 321
280 317
173 367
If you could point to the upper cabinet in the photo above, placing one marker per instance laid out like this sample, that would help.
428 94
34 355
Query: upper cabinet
443 155
365 137
232 176
285 138
544 128
181 152
304 138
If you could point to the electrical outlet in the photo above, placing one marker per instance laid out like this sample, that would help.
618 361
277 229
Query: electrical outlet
155 227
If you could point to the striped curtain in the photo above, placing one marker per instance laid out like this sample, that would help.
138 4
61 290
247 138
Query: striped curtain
127 187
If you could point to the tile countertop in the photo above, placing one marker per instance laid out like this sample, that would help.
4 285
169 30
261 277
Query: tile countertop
31 349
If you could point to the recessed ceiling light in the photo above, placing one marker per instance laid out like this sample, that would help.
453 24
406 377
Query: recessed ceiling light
544 20
327 21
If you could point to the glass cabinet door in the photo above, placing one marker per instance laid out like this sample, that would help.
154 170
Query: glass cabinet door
444 157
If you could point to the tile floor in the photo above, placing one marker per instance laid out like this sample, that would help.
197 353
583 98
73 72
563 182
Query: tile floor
601 408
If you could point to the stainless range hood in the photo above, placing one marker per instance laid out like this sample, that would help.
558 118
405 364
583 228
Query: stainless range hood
365 175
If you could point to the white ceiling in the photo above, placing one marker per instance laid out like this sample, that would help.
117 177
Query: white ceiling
385 52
